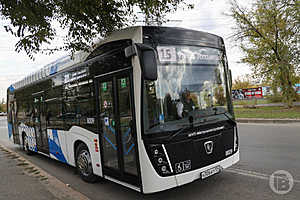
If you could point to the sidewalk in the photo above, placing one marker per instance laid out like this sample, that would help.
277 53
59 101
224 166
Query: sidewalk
21 180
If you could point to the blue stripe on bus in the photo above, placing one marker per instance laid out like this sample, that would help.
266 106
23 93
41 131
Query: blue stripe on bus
53 69
11 88
108 140
55 148
9 125
112 130
123 140
130 148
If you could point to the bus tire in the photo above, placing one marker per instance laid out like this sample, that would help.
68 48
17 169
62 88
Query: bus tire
25 145
84 164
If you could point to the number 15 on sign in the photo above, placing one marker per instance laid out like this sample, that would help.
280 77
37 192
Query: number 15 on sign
167 54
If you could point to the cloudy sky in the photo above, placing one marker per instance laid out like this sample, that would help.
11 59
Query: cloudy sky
206 16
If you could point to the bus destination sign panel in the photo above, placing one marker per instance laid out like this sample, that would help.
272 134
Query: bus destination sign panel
188 55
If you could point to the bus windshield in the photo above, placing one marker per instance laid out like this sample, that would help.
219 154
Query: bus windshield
191 82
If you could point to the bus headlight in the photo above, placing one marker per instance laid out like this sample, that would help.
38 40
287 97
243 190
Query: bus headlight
160 159
163 168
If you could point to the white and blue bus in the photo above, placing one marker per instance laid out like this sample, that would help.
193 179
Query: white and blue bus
148 107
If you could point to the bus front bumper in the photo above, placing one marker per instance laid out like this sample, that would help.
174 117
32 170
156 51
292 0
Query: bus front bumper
152 182
191 176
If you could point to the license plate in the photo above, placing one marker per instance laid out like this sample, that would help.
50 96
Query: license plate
211 172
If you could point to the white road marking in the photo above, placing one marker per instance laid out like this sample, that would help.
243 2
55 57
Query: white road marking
252 174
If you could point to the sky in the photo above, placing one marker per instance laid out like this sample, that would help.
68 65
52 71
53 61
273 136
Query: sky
208 16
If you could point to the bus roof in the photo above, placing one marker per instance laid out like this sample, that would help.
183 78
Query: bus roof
66 61
79 57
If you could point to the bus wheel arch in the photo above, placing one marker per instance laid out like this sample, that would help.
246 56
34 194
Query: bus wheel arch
83 162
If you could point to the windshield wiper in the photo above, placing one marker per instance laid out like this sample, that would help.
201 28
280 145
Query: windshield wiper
167 126
179 131
191 120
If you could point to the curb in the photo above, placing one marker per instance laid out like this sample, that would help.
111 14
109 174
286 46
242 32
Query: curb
267 121
59 189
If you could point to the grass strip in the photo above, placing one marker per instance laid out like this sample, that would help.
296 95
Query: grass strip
274 112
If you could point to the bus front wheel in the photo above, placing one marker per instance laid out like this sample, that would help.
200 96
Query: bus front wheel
84 164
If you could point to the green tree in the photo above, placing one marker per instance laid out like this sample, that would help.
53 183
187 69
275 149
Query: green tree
243 82
219 95
35 22
269 37
2 107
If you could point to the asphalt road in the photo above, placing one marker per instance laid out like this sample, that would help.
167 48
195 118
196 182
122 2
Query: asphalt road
264 149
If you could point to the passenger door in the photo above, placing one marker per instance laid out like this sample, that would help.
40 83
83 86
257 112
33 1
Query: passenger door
39 120
117 129
12 117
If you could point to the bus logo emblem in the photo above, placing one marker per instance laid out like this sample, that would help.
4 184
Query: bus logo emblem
209 146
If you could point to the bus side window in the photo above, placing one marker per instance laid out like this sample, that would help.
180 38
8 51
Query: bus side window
78 105
150 116
53 113
69 105
28 109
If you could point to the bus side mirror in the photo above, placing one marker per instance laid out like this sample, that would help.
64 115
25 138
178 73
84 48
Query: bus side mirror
230 79
148 60
149 64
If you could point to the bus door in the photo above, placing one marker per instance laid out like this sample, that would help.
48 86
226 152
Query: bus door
13 130
117 129
39 121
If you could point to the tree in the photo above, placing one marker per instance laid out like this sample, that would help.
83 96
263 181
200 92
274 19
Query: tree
2 107
243 82
269 37
35 22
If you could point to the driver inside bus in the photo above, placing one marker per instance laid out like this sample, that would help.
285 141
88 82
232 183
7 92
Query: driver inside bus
185 105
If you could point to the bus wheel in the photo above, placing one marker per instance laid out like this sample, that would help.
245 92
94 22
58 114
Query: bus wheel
84 164
26 145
